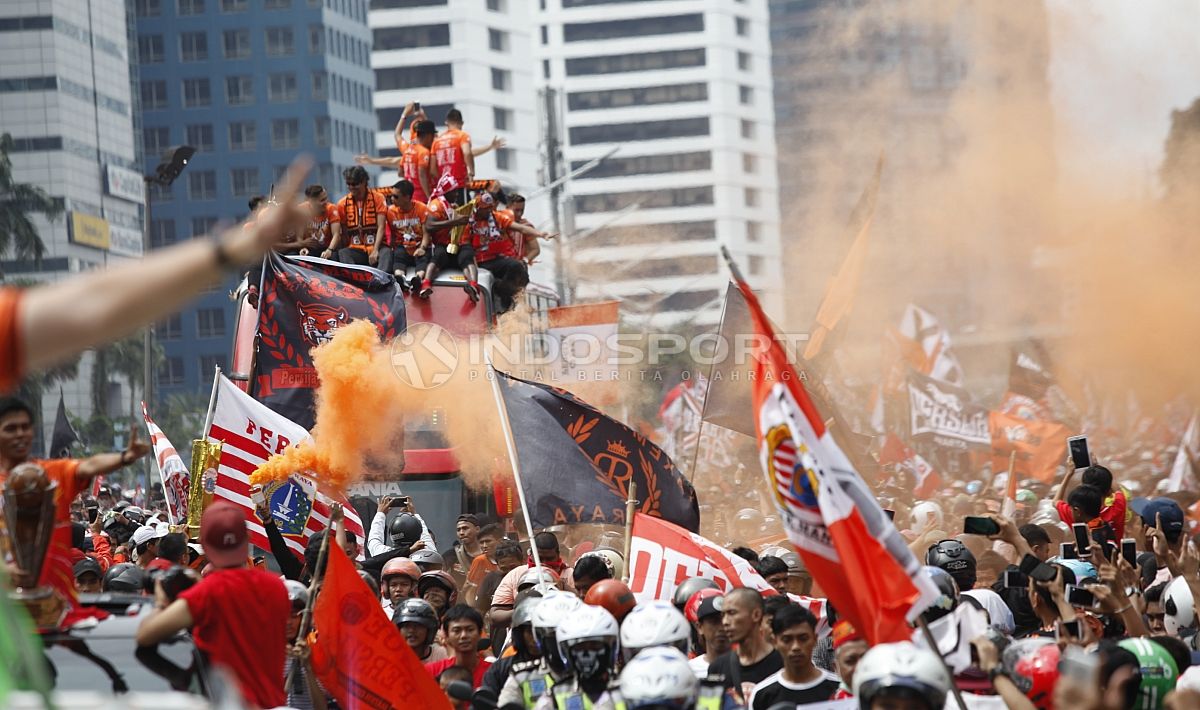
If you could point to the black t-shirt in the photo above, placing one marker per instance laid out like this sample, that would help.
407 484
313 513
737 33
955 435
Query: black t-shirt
729 670
777 690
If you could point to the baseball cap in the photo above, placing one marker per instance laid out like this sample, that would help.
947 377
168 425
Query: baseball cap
147 533
1171 513
468 518
710 607
223 535
86 565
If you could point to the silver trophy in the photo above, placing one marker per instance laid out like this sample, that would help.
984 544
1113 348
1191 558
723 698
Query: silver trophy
29 519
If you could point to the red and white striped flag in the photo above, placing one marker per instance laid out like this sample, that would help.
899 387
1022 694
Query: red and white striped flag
171 471
250 433
847 542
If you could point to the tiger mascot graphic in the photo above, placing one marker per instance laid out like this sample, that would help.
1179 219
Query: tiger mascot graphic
319 322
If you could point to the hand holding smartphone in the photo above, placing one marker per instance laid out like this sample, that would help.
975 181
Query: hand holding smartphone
979 525
1037 570
1078 446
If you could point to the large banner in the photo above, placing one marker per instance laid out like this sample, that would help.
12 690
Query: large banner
944 414
585 334
174 475
1040 446
303 302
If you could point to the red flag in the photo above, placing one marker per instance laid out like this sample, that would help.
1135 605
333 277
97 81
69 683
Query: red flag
847 542
358 653
896 452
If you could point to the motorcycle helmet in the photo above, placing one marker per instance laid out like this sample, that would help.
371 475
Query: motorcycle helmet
612 594
689 587
124 577
901 670
953 557
659 677
1032 664
537 575
1179 606
400 566
438 578
427 560
692 610
554 607
417 611
1158 670
297 594
580 632
948 595
655 623
522 617
406 530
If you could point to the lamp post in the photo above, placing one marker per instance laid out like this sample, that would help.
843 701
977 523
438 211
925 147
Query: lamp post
173 163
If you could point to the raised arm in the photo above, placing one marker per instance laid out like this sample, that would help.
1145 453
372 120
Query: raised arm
104 464
387 162
469 157
497 142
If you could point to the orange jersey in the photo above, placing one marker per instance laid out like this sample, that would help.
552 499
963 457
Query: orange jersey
408 226
448 151
414 161
441 210
360 220
10 340
487 235
320 228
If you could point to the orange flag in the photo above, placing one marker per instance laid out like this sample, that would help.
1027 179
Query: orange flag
358 654
1040 445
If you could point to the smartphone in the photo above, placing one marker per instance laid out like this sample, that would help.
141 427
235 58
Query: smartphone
1066 551
1036 569
1079 451
416 106
1015 580
1080 596
92 513
979 525
1068 630
1129 551
1083 540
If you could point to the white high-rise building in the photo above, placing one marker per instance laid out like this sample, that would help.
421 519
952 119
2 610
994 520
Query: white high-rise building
460 54
683 89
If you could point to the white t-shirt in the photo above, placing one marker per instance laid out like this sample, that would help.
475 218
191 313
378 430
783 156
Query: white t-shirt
699 666
1000 616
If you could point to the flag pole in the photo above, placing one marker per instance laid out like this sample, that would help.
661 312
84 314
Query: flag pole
212 403
929 639
313 588
630 510
704 401
506 428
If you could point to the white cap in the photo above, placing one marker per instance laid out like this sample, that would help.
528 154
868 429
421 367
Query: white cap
147 533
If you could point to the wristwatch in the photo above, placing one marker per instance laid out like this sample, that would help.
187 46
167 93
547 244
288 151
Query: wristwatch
996 672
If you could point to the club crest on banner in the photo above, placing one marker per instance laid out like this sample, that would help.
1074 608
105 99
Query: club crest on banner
794 485
290 504
320 322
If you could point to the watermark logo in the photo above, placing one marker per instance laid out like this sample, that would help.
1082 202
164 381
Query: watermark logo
425 356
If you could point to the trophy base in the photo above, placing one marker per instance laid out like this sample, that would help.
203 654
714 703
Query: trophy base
45 606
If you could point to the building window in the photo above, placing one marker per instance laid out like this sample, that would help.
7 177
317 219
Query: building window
648 199
642 61
501 118
161 193
496 6
545 68
649 164
196 93
210 363
170 371
244 181
235 5
169 329
154 95
674 232
640 131
210 322
281 87
277 4
243 135
753 231
501 79
505 159
285 133
162 232
497 40
316 39
202 226
749 163
640 96
235 44
321 131
748 129
320 86
156 140
202 185
239 90
545 35
191 7
640 27
413 77
150 49
412 37
751 196
147 8
743 61
754 264
742 26
280 42
745 95
398 4
200 137
193 46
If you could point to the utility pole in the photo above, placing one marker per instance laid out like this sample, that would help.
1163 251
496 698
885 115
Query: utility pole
553 171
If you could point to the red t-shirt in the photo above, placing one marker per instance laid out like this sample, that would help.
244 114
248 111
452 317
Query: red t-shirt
158 563
240 620
435 669
448 152
10 342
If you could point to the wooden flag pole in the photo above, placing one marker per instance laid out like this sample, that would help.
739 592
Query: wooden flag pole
313 588
631 504
506 427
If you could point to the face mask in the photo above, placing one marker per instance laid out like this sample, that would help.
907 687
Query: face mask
588 663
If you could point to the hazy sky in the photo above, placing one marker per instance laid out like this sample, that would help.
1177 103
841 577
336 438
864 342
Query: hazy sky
1118 68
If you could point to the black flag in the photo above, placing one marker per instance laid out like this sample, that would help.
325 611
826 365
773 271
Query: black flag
63 435
576 463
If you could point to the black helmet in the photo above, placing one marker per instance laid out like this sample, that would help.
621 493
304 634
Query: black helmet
953 557
418 611
124 577
689 587
406 529
948 594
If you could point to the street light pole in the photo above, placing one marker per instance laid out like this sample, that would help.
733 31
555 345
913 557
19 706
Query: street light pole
148 335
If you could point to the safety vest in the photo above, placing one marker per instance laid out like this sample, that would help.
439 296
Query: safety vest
568 697
710 697
533 679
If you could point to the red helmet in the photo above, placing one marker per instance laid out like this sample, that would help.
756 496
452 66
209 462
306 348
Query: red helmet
692 608
400 566
1033 666
613 595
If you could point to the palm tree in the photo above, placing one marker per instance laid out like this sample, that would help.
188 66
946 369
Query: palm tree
18 236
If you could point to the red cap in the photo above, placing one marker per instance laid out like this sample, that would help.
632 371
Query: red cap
223 535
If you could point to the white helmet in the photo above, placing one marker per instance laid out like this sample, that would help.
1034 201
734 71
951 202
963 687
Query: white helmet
615 561
552 609
588 623
656 623
659 676
922 512
1179 606
901 666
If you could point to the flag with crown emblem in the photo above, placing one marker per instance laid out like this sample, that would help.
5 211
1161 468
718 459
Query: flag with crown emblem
576 463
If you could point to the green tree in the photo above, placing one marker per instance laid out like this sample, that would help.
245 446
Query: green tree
18 236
